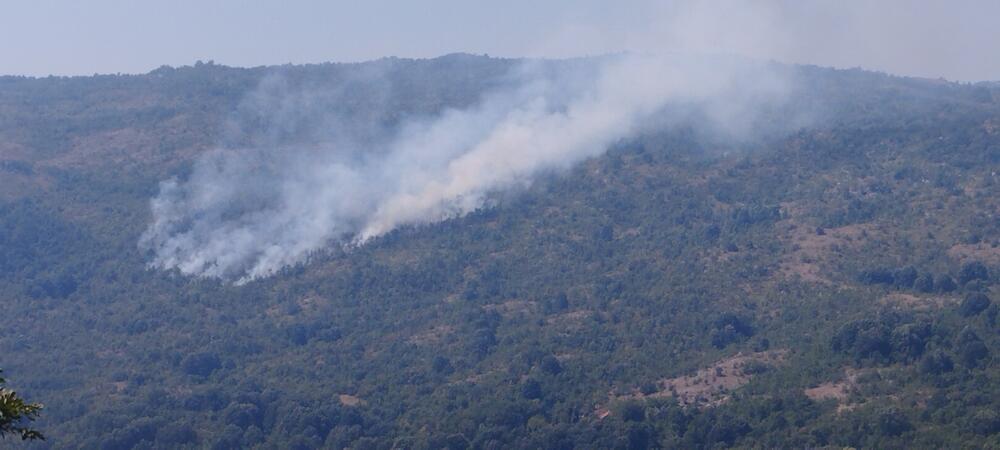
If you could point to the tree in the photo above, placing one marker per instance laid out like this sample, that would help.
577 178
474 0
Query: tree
973 271
905 277
973 304
971 348
531 390
15 412
201 364
985 422
442 365
936 363
729 328
945 283
892 422
551 365
924 283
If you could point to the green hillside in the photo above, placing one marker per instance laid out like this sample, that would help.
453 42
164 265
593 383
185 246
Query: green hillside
835 285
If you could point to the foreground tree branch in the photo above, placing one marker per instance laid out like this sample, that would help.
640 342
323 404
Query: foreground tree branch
15 412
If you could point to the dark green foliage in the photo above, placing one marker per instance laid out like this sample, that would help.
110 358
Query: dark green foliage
729 328
531 389
973 304
176 434
936 363
551 365
971 349
865 338
648 388
632 412
744 217
557 304
992 313
877 276
973 271
945 283
15 413
985 422
905 278
719 429
892 422
442 365
908 341
924 283
202 364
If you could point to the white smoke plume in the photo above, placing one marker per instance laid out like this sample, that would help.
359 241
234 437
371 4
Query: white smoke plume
255 205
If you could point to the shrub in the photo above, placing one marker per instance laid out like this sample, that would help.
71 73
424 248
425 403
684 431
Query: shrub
973 271
201 364
945 283
974 304
531 390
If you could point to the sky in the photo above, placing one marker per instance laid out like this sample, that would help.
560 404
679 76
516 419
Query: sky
956 39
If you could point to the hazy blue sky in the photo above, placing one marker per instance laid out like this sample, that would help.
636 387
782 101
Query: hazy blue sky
952 39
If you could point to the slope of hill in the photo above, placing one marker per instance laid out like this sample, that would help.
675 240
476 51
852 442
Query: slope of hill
835 285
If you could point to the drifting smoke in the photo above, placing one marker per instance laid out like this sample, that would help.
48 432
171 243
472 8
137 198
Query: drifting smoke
255 205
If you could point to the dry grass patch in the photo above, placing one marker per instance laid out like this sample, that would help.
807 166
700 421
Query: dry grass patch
350 400
512 307
811 247
982 252
434 335
711 385
838 390
570 320
829 390
918 302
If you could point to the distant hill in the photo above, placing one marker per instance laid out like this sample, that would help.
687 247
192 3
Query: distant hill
832 284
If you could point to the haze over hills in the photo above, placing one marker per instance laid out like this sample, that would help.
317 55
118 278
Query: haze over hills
757 255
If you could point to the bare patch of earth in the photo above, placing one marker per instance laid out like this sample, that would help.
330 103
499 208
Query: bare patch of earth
712 385
350 400
512 307
982 252
839 390
433 335
811 247
917 302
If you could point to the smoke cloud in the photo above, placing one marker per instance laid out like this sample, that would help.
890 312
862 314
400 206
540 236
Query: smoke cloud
295 174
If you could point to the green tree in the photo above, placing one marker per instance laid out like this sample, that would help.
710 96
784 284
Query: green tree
15 412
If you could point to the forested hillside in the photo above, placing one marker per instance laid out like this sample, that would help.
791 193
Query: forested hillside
831 283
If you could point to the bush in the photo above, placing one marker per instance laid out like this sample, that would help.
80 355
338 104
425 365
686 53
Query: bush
908 341
729 328
864 338
551 365
974 304
985 422
971 349
531 390
632 412
877 276
176 434
945 283
973 271
442 365
201 364
936 363
892 422
905 277
924 283
242 415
